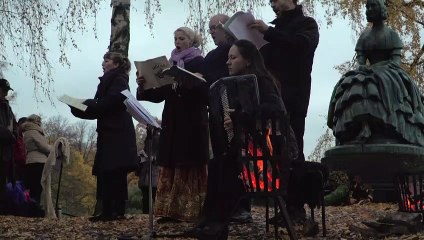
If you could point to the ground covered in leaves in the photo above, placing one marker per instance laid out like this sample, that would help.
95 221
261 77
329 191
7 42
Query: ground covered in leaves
339 226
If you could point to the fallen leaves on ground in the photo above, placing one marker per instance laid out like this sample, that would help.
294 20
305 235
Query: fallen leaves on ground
338 221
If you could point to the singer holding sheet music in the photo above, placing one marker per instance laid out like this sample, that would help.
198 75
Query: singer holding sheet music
289 57
116 153
183 145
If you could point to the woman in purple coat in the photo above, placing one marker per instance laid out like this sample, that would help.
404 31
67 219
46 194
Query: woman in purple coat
183 145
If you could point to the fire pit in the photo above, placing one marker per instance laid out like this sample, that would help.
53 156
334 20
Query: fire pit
411 192
262 151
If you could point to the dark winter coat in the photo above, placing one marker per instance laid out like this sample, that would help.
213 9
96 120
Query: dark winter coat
8 133
184 137
289 57
214 65
116 143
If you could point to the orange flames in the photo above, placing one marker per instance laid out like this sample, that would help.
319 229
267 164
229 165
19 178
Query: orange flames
251 183
412 205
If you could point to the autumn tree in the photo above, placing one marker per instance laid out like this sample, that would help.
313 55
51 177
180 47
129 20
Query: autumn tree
24 26
85 139
77 193
404 16
81 135
77 186
58 126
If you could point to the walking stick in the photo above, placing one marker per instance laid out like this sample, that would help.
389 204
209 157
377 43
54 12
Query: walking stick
150 134
60 158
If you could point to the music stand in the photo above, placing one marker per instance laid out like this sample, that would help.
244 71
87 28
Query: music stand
151 132
139 113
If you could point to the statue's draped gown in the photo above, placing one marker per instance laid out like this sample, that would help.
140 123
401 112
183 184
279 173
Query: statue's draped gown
379 100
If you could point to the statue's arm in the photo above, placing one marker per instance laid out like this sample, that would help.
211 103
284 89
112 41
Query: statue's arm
360 58
397 47
396 53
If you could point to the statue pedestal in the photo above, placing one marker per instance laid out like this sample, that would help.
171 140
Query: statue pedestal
376 164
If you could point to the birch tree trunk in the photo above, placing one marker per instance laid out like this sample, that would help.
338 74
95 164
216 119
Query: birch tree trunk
120 26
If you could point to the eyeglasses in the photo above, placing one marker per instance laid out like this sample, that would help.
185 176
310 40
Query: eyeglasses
213 28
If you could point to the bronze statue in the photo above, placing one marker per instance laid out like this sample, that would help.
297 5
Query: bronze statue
377 102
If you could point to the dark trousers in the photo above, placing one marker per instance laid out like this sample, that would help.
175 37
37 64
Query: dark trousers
3 181
145 197
32 179
294 195
112 190
297 122
224 190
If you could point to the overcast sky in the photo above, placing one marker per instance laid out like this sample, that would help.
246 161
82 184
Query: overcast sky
81 79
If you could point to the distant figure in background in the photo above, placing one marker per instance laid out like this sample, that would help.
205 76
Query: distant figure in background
19 151
183 140
143 180
8 132
38 150
116 153
149 153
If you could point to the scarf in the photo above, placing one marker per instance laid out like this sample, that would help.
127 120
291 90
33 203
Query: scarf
181 57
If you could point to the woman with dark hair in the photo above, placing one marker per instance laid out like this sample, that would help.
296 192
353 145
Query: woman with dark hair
183 143
222 199
116 153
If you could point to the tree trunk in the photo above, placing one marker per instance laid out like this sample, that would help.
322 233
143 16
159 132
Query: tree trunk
120 26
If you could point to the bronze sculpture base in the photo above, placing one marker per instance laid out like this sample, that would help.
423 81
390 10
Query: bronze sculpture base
376 164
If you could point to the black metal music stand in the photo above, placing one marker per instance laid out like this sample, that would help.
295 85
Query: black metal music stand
151 131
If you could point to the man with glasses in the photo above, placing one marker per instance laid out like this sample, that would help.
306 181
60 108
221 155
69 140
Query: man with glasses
215 66
289 57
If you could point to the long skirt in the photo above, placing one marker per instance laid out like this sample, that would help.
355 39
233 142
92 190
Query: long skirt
385 97
181 192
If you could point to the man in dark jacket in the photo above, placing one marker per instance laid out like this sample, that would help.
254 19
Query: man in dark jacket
215 62
8 134
289 57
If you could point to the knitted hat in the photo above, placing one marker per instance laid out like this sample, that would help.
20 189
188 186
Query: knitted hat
34 118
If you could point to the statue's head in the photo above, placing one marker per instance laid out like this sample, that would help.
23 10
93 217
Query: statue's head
376 10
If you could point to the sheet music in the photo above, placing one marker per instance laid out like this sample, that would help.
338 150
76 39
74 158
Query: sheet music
73 102
152 70
237 25
137 111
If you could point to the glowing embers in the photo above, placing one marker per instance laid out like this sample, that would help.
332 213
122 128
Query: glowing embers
260 173
411 190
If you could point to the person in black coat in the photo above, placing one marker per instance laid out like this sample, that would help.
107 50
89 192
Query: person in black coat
289 57
224 189
215 62
116 153
183 144
8 133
